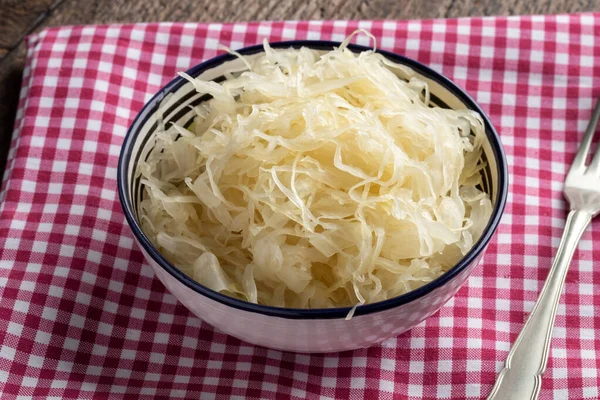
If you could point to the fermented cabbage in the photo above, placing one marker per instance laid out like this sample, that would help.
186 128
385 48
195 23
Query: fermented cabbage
315 180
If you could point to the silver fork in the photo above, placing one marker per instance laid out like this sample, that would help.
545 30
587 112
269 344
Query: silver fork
521 377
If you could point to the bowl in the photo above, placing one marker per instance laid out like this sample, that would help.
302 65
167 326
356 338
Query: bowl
300 330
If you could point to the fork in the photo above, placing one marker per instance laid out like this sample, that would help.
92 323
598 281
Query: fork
525 364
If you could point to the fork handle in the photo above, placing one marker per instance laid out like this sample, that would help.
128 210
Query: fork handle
521 377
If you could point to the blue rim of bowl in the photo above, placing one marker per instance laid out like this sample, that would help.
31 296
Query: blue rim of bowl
321 313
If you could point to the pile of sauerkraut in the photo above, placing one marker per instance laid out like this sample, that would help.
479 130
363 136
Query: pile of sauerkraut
316 180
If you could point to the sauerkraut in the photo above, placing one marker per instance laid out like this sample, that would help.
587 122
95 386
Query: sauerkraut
316 180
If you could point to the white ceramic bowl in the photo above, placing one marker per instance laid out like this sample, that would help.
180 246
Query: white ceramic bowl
301 330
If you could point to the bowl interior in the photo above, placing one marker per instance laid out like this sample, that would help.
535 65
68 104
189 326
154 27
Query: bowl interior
175 102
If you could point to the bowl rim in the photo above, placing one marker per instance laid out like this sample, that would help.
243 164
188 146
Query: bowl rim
316 313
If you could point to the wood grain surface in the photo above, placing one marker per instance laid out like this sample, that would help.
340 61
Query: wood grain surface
18 18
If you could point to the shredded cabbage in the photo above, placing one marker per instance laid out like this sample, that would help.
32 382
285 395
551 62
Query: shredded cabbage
316 180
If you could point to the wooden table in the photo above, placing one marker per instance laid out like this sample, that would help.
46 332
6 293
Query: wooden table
19 18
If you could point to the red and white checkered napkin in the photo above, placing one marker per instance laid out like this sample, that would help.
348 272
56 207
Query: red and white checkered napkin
82 316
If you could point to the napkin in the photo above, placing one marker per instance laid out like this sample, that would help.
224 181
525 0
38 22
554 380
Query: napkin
82 315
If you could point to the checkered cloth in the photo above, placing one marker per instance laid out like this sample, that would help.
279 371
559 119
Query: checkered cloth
82 315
